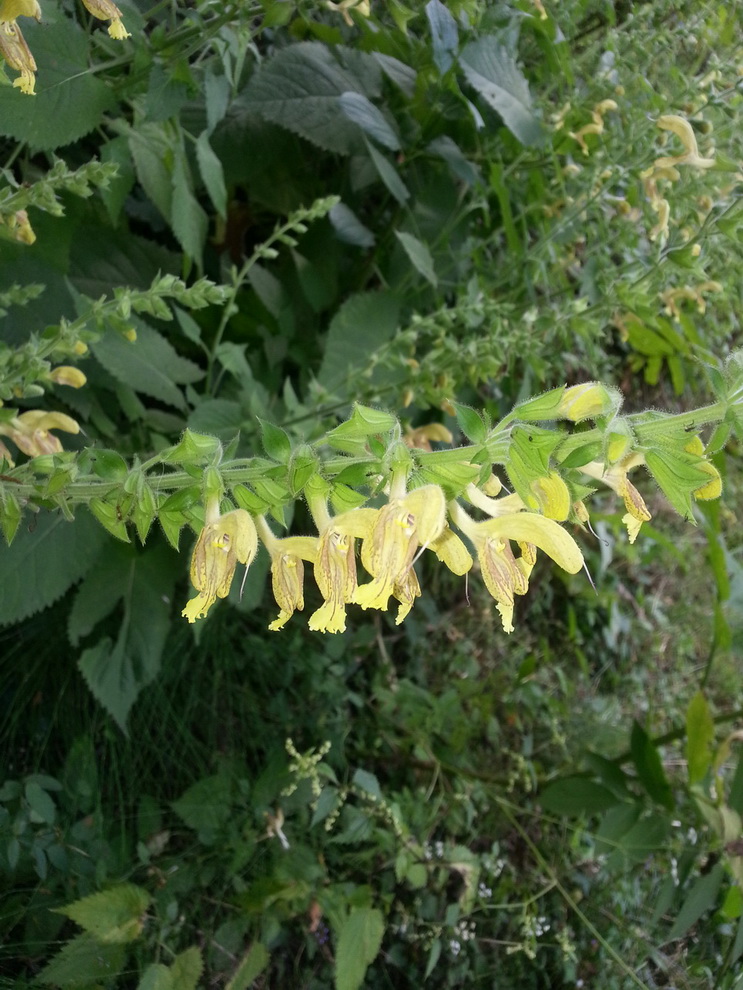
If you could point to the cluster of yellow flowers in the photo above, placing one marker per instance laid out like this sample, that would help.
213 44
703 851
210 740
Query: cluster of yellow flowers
16 52
392 539
29 430
664 170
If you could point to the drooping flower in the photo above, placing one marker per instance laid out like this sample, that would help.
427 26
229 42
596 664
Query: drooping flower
224 542
66 374
393 535
685 132
335 574
18 55
287 570
504 574
106 10
17 226
713 488
29 431
616 478
11 9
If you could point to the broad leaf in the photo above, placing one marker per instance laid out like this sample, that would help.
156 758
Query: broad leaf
359 941
113 916
370 119
492 71
48 556
70 99
362 324
576 796
251 965
419 254
84 954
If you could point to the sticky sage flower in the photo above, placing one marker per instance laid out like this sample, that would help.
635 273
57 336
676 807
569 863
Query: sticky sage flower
29 431
393 535
335 574
287 570
713 488
504 574
616 478
11 9
685 132
106 10
17 54
224 542
66 374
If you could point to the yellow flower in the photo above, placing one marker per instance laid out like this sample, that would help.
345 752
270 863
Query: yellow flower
335 574
393 534
551 496
18 225
105 10
287 570
11 9
343 7
685 132
223 543
29 431
65 374
616 478
505 575
713 488
586 401
18 55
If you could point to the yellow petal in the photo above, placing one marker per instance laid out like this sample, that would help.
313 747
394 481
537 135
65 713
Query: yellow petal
552 496
547 535
451 551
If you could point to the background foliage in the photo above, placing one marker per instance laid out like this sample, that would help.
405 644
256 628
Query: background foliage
401 206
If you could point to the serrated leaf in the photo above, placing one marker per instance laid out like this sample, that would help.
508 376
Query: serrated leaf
370 119
349 228
83 955
150 364
212 173
388 174
117 672
701 898
206 805
113 916
45 559
157 976
299 89
360 326
189 221
251 965
359 941
444 34
492 71
419 254
152 148
186 969
70 99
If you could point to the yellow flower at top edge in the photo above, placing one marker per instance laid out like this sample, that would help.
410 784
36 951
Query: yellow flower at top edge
392 537
11 9
223 543
106 10
17 54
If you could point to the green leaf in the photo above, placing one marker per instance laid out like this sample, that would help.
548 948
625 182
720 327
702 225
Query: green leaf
470 423
152 151
388 174
70 99
189 221
700 734
359 941
370 119
157 977
212 173
42 806
419 254
701 898
360 326
251 965
187 968
349 228
206 805
647 761
150 364
492 71
573 796
299 89
678 474
45 560
83 955
444 34
113 916
276 442
116 673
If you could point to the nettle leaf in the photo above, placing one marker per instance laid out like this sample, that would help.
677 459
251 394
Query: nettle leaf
46 558
370 119
113 916
349 228
117 672
251 965
492 71
419 254
186 969
359 941
157 976
149 365
444 34
362 324
388 174
189 221
299 89
212 173
152 152
84 954
70 99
